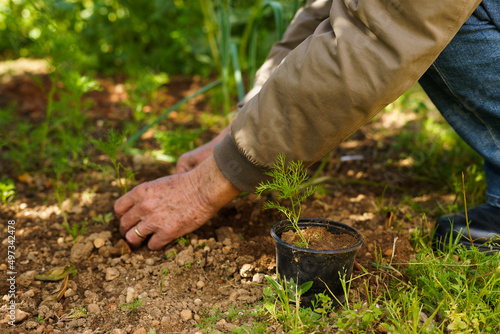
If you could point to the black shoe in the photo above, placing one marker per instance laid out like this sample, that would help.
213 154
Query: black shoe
484 226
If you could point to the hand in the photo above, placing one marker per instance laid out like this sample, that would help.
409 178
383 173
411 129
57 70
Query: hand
170 207
191 159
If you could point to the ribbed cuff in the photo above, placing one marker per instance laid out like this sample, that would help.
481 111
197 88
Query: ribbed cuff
235 167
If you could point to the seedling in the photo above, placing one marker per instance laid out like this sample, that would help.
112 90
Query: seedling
103 219
164 273
288 181
133 305
184 241
111 147
39 319
76 230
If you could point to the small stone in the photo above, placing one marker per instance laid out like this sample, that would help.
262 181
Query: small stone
258 278
198 302
140 331
99 242
200 284
93 308
150 261
31 324
131 295
81 251
30 293
226 232
26 278
246 270
69 293
388 252
19 316
186 256
116 331
186 315
120 248
111 273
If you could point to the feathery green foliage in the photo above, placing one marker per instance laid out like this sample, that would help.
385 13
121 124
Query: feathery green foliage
287 180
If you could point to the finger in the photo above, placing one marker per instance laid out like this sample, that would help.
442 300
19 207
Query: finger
124 203
158 241
133 238
130 219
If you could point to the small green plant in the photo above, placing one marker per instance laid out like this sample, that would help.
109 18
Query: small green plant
164 274
103 219
133 305
39 319
76 230
184 241
288 181
112 146
7 190
282 303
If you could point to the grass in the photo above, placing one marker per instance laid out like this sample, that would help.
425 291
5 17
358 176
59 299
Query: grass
455 290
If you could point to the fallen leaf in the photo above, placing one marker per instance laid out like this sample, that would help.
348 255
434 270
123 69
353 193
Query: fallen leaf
57 273
58 294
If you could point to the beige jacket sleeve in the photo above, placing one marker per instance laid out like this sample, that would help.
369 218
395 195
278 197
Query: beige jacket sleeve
365 55
304 23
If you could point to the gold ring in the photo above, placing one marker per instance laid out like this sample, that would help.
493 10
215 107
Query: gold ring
138 234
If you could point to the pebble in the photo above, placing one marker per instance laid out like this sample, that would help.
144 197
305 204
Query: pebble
186 315
26 278
99 242
31 324
30 293
131 295
140 331
19 315
150 261
93 308
186 256
246 270
81 251
200 284
258 278
198 302
388 252
69 293
111 273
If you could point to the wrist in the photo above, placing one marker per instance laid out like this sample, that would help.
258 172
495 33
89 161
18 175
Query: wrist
214 189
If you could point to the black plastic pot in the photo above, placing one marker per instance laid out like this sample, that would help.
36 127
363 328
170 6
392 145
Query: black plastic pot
320 266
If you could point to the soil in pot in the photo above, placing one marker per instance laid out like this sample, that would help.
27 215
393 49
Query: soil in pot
320 238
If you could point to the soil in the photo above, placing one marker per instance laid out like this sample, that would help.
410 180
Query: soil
320 238
221 266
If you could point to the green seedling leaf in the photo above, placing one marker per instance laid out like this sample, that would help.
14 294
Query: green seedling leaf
273 283
58 273
304 287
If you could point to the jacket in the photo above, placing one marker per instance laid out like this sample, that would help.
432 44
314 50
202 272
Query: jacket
339 63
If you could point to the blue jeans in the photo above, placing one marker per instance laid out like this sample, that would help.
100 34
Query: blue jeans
464 84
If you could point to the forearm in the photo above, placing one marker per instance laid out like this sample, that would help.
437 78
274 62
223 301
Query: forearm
356 62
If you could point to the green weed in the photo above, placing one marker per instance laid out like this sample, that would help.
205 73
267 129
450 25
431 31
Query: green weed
112 146
164 274
103 219
133 305
76 230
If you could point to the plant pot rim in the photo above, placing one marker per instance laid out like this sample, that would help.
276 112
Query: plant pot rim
318 222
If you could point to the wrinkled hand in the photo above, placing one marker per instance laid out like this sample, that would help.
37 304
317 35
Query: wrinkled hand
191 159
170 207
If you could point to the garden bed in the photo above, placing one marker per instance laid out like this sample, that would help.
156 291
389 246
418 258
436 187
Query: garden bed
210 280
